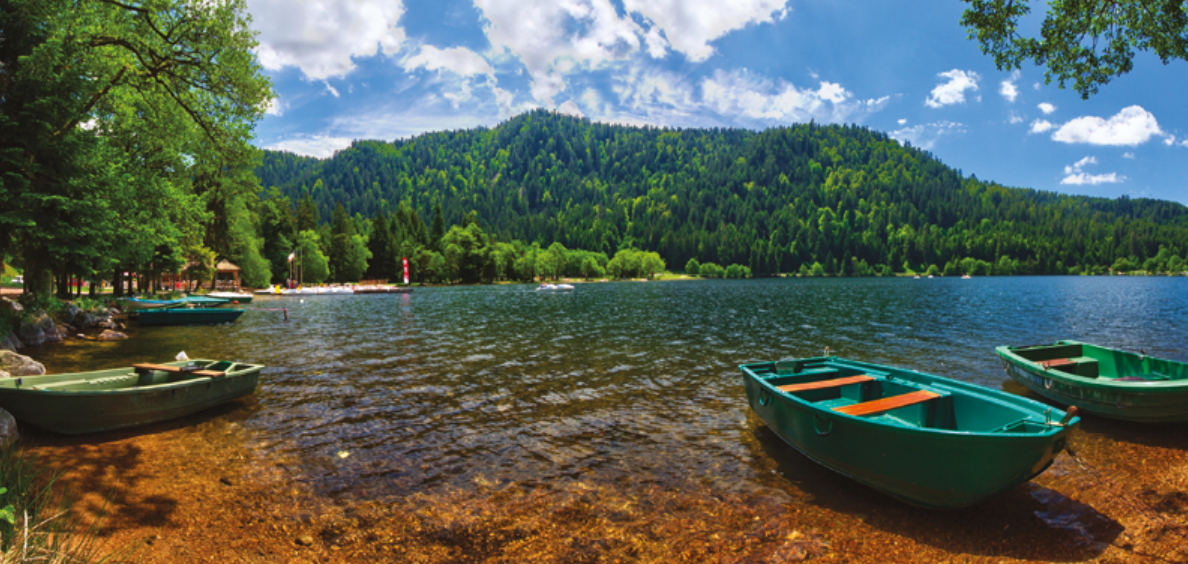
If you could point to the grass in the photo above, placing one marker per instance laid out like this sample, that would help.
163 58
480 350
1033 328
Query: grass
42 528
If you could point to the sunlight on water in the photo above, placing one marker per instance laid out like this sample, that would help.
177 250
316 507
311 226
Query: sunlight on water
629 386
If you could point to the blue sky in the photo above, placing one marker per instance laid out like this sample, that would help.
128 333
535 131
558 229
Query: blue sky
388 69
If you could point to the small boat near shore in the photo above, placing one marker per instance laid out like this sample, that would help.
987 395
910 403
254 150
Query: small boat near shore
554 287
88 402
241 297
929 441
188 315
308 291
141 304
1103 381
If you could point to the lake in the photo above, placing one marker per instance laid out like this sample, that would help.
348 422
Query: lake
610 421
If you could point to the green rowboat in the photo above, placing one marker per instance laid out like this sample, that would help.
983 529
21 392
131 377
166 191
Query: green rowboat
87 402
1102 381
929 441
188 316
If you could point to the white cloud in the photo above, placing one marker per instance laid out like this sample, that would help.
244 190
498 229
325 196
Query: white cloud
1132 126
548 36
570 108
1128 155
1171 141
744 94
657 44
1008 88
273 107
320 146
459 60
321 36
902 121
1046 108
1082 178
331 89
1075 175
1015 118
926 136
953 91
692 24
1041 125
1079 164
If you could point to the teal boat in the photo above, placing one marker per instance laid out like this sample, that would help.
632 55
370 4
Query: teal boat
926 440
87 402
188 316
141 304
1102 381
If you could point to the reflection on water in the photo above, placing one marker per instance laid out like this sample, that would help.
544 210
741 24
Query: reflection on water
634 387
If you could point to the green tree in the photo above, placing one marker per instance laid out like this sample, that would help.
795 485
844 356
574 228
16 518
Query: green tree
692 268
114 116
1086 41
312 264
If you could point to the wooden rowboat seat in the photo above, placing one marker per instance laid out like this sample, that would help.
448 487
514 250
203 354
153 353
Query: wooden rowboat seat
887 404
1057 363
823 384
147 367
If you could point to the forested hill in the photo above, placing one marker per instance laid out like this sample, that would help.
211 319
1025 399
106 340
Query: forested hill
849 198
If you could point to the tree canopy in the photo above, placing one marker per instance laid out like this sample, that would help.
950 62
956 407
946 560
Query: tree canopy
1086 41
124 129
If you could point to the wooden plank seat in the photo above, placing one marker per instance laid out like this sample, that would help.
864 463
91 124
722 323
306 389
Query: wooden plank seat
146 367
887 404
1057 363
822 384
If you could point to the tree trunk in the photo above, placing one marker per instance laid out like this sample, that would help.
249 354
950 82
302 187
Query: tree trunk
117 282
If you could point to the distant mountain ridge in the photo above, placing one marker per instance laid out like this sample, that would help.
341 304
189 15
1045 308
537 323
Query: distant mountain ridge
847 198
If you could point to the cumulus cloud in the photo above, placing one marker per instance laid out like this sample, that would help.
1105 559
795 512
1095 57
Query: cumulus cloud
551 37
320 146
1075 175
692 24
1128 155
1008 88
1131 127
953 91
458 60
1171 141
1041 125
1046 108
744 94
321 36
926 136
570 108
273 107
1015 118
902 121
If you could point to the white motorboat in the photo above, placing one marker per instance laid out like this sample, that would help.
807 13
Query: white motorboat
554 287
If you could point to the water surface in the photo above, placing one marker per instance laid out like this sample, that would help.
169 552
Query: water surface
634 388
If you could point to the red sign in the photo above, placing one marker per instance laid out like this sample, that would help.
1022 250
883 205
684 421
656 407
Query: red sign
405 270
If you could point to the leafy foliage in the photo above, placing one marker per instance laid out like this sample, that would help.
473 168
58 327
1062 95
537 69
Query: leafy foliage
1087 41
807 199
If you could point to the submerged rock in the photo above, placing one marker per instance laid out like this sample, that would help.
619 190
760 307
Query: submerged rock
8 428
20 365
109 335
10 342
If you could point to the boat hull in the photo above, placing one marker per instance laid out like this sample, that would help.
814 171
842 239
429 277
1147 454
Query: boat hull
232 297
1157 401
193 316
931 468
77 412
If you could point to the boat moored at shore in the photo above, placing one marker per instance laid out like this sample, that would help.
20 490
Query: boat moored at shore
929 441
1102 381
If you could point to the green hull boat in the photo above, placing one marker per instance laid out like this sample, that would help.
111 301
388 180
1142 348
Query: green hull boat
88 402
188 316
929 441
1102 381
